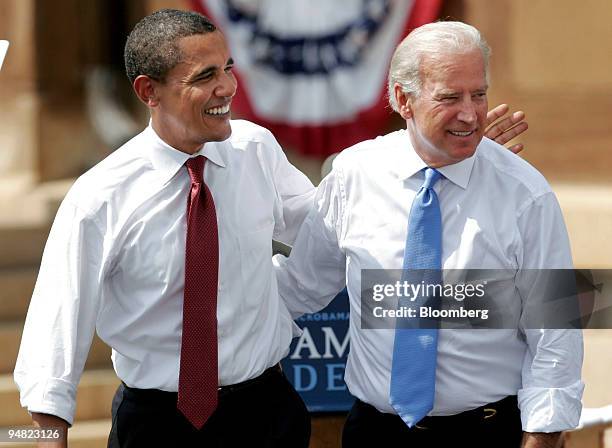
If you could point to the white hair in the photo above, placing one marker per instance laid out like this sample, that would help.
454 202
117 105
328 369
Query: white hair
431 39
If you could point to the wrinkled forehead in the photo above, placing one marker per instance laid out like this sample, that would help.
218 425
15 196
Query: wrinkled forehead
454 68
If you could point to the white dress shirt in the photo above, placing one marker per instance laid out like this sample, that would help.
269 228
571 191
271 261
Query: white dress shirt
498 212
114 262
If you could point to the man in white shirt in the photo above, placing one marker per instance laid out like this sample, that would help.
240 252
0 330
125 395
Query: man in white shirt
491 387
116 255
116 259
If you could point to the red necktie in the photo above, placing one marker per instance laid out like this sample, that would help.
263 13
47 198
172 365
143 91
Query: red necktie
198 377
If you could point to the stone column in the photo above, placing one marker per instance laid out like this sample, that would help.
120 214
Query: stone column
18 99
45 127
69 36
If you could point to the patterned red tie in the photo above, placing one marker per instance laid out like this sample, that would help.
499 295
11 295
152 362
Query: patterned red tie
198 378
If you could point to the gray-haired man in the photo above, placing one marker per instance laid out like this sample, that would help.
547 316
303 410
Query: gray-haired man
486 209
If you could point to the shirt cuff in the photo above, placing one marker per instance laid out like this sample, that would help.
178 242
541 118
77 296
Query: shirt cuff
550 409
55 397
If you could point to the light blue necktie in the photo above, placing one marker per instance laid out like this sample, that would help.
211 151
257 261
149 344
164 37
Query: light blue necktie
413 372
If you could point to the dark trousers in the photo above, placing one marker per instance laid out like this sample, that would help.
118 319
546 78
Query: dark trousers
494 425
266 412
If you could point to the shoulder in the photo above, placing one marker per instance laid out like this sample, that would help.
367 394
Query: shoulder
370 155
500 165
113 175
244 131
251 144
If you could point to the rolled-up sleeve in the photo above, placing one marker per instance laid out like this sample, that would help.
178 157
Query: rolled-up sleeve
551 392
550 399
62 315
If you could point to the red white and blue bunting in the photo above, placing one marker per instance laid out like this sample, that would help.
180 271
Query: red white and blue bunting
314 71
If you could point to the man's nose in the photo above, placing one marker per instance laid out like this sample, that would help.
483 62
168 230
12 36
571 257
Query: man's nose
467 111
227 86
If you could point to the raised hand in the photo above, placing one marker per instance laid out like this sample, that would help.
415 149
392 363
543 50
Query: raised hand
503 129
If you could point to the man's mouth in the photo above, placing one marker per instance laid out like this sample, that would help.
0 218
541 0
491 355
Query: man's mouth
461 133
220 110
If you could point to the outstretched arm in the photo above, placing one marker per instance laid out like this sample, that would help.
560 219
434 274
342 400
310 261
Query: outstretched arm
315 271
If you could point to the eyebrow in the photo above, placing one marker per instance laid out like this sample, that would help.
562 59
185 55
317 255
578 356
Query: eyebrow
445 94
449 92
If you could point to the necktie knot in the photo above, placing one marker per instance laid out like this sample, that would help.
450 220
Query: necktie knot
195 168
431 177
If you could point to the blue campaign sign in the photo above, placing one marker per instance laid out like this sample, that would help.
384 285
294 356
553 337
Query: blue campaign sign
317 359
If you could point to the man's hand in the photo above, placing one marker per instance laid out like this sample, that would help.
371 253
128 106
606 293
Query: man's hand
51 422
507 128
542 440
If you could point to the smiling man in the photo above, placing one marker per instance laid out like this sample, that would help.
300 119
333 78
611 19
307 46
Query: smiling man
164 248
435 196
447 118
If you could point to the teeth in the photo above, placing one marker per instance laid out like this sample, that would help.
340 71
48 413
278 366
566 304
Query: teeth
461 134
218 110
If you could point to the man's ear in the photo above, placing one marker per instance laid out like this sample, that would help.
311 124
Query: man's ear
145 90
403 102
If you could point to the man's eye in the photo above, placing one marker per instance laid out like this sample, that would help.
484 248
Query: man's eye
203 77
229 68
448 99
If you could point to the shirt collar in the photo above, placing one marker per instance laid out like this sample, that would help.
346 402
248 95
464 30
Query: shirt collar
169 160
409 163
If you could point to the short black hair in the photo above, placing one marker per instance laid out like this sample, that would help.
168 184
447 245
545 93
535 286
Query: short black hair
152 46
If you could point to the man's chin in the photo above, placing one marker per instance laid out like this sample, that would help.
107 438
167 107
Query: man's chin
220 135
463 153
464 150
227 134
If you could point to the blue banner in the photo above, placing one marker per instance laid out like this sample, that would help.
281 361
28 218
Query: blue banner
317 359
